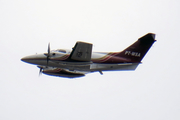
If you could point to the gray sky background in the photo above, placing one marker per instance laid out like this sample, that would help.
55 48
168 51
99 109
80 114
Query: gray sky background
151 92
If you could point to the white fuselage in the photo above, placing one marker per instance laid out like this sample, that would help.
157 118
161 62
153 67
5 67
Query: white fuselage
58 59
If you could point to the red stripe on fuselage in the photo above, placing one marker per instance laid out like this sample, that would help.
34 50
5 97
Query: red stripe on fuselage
105 58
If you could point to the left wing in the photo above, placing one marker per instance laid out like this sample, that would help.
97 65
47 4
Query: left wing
81 52
53 71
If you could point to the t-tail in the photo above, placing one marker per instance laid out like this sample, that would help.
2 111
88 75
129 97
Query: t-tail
135 52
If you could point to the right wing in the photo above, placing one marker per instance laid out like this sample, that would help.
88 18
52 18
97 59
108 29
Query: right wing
81 52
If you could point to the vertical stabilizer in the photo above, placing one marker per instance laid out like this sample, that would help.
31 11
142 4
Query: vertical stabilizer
138 50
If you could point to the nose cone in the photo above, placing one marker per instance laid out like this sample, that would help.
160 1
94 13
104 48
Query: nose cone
34 59
24 59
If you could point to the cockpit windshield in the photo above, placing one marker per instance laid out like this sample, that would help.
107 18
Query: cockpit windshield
62 51
59 50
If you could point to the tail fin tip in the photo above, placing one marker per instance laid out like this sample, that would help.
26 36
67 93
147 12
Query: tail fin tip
138 49
147 39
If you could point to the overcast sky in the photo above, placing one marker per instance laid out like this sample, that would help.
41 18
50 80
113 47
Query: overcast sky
152 92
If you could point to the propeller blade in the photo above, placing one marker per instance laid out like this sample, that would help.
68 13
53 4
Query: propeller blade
48 55
47 60
40 71
48 49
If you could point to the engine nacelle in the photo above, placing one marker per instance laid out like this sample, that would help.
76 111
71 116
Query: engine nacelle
62 73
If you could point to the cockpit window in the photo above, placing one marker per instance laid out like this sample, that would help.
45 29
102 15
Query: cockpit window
62 51
59 50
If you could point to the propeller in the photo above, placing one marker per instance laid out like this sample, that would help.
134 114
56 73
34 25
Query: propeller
41 69
48 54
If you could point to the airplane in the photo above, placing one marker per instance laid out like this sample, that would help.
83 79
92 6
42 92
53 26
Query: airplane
81 60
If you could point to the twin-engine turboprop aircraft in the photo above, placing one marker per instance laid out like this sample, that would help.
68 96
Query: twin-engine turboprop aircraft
81 60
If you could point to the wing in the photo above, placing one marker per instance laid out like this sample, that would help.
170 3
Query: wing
53 71
81 52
